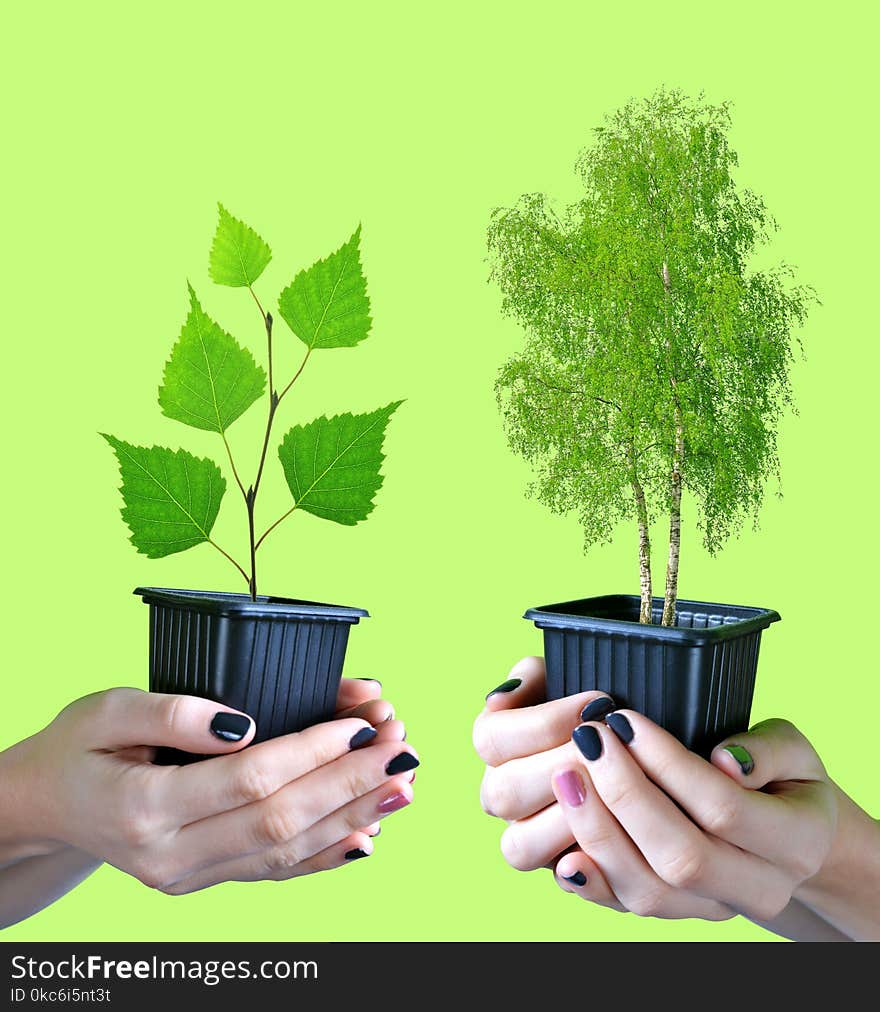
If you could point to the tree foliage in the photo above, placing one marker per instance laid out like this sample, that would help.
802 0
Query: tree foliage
643 310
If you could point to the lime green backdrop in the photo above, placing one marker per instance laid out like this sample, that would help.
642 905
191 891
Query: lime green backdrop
125 126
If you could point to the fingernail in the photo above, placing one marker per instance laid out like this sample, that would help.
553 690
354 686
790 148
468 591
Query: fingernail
401 763
230 726
390 716
393 803
376 680
745 761
362 737
597 709
571 788
578 879
356 854
620 726
588 741
376 832
508 686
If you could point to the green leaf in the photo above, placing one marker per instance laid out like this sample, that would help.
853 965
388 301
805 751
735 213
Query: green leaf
238 255
332 464
171 499
327 306
210 380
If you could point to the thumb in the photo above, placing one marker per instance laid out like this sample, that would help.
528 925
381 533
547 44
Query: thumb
772 751
122 718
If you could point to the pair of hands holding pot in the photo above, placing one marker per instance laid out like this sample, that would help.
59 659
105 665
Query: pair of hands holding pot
628 818
85 790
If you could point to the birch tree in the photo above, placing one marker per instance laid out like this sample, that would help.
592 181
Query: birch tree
657 357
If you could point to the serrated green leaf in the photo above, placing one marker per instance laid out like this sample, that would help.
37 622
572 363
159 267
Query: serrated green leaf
238 255
327 306
210 380
332 464
171 498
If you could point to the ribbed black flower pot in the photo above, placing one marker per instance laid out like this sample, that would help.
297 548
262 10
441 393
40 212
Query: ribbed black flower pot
278 660
696 679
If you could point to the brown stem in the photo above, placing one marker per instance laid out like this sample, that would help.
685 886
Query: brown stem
247 579
272 527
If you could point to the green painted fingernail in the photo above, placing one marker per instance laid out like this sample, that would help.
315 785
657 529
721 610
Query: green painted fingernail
508 686
745 761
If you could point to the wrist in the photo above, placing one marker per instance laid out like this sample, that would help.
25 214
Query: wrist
22 834
845 888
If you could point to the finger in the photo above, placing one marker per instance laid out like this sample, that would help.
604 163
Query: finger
773 750
759 823
536 841
629 876
286 813
204 789
576 873
120 718
390 730
524 686
522 787
373 711
274 866
354 691
511 734
679 852
397 794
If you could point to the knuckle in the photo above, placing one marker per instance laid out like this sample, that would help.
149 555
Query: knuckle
807 858
253 782
485 741
499 795
649 904
275 826
172 711
278 862
770 904
619 793
722 817
515 854
138 830
685 869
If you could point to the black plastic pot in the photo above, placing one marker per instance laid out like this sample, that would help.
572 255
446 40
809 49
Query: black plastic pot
696 679
278 660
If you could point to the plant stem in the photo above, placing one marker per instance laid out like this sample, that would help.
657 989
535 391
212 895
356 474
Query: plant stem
232 464
670 597
250 496
228 556
272 527
646 594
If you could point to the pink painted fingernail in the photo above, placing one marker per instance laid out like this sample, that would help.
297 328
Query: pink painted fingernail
393 803
571 788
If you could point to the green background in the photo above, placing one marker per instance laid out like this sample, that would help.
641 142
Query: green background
124 126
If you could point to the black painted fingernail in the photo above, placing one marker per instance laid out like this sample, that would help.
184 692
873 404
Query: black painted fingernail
362 737
588 741
508 686
376 680
598 709
230 726
578 879
620 726
401 763
356 854
378 831
743 758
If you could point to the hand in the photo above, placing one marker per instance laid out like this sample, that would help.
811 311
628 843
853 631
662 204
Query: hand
669 834
523 740
290 806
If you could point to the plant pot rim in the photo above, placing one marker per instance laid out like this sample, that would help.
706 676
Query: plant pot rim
229 605
591 614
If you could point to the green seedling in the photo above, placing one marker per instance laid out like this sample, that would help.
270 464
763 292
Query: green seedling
331 465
